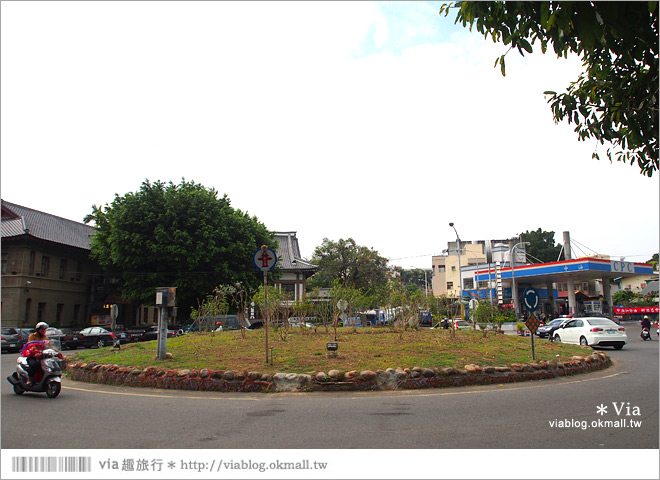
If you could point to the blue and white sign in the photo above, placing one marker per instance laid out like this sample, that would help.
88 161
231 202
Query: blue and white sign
531 299
623 267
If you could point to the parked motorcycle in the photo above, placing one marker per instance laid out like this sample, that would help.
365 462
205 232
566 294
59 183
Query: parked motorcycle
47 380
646 334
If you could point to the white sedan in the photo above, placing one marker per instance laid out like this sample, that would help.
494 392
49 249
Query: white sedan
592 331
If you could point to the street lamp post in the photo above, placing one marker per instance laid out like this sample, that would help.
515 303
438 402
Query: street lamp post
460 280
513 277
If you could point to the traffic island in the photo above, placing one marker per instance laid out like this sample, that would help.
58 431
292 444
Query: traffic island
334 380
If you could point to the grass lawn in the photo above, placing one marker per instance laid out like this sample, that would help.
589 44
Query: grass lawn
304 350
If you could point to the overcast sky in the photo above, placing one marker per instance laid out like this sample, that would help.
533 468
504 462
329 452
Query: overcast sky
381 122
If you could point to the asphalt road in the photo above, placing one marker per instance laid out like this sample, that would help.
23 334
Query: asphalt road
558 413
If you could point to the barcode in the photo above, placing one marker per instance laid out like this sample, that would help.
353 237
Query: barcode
51 464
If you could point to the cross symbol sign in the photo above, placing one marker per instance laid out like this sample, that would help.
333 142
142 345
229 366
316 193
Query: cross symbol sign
264 259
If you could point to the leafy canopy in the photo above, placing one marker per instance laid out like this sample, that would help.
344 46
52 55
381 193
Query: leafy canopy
615 99
353 265
541 246
176 235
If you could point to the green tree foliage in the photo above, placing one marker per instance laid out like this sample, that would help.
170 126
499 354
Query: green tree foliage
653 261
615 99
176 235
415 276
353 265
541 245
623 297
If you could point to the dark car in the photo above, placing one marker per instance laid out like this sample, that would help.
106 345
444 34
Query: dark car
25 333
151 333
548 330
100 337
11 340
66 336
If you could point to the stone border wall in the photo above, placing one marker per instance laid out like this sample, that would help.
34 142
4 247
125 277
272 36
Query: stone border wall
333 381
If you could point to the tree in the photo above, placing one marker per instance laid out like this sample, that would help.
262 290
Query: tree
415 276
542 245
176 235
353 265
623 297
615 99
653 261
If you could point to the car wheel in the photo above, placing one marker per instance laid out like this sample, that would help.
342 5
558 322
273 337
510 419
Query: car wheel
618 347
100 343
53 389
583 342
557 338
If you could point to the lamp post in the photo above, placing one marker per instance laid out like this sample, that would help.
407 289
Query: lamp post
460 280
513 278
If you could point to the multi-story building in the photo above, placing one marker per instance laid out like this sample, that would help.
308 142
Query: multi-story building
46 270
452 271
295 270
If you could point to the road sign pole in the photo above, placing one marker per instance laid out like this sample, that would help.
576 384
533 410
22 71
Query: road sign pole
265 259
266 310
531 335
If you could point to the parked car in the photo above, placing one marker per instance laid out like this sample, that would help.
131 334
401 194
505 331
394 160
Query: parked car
592 331
549 328
151 333
11 340
25 333
296 322
100 337
67 338
461 325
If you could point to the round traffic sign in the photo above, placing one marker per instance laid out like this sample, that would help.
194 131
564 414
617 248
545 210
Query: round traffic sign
531 299
264 259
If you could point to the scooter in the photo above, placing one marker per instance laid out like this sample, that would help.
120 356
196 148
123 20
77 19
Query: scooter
48 379
646 334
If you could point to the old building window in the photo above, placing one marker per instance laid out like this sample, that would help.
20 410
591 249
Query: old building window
28 305
5 261
63 263
41 310
45 265
58 314
450 285
33 256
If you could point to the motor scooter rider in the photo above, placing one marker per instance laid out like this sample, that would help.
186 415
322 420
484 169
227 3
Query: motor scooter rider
646 323
34 347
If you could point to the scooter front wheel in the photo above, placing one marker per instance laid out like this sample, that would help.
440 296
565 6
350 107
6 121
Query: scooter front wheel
53 389
18 390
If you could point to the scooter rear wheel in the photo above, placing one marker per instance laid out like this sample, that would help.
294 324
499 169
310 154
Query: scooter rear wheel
53 389
18 390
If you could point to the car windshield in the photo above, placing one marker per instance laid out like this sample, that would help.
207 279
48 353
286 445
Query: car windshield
462 323
9 331
602 322
53 331
556 321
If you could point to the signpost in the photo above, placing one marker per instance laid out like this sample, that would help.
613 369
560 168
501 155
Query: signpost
265 259
114 314
531 302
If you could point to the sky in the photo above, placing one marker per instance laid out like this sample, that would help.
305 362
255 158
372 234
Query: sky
377 121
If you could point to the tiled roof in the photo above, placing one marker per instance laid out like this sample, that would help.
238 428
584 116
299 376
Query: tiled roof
43 226
288 253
